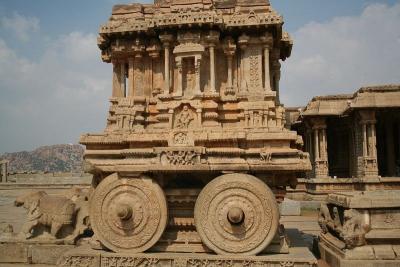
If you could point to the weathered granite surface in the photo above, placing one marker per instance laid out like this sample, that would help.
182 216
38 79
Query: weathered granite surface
361 228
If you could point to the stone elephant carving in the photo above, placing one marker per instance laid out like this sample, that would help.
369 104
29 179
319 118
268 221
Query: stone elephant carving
65 217
354 229
329 219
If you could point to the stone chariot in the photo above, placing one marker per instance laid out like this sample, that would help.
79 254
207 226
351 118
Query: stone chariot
195 156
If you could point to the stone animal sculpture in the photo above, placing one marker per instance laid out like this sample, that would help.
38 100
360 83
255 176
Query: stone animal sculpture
55 212
354 229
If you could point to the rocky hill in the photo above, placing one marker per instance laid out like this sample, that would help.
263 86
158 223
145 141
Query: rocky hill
57 158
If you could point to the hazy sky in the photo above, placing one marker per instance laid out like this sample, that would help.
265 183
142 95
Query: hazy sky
54 87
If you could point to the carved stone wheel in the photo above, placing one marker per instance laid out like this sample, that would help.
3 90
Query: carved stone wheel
236 214
128 215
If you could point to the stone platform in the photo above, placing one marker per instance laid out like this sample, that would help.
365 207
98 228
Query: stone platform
78 257
370 256
361 228
24 254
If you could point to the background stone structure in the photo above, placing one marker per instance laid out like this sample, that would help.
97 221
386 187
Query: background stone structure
4 171
354 138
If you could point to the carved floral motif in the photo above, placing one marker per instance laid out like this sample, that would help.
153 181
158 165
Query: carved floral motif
181 157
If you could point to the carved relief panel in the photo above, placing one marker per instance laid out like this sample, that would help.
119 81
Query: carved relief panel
185 117
253 68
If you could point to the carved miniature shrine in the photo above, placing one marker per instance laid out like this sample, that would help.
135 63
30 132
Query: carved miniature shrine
195 154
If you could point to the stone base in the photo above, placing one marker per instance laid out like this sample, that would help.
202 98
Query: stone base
290 208
24 254
299 255
318 189
80 257
366 256
31 253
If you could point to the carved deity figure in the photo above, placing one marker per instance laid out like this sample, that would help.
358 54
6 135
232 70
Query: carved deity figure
184 118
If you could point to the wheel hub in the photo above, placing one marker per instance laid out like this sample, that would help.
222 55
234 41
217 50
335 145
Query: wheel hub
235 215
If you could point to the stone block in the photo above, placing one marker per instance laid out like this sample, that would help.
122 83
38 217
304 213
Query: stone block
360 253
396 249
290 208
384 252
14 253
48 254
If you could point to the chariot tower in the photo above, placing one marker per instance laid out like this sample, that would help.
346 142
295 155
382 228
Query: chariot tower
195 155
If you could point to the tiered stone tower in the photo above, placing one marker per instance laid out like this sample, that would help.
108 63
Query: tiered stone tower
195 152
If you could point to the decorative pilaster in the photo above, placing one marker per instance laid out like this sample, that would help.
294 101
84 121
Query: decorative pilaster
131 75
268 42
139 73
154 52
276 73
212 69
117 92
138 49
229 50
243 43
178 64
197 89
213 39
166 40
122 78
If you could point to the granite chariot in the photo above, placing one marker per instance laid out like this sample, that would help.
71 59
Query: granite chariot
195 156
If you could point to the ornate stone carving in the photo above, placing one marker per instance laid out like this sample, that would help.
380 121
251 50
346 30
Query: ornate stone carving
236 214
181 138
77 261
354 228
128 215
67 217
184 118
180 158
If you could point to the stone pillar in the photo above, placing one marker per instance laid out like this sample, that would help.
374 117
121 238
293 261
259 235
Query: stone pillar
391 150
167 84
229 50
131 77
316 144
212 39
276 73
138 75
179 89
267 77
197 90
4 171
116 91
368 162
123 78
243 43
167 40
212 69
321 169
154 52
268 43
229 83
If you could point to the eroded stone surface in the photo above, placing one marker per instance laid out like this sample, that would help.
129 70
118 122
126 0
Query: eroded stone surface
195 96
361 226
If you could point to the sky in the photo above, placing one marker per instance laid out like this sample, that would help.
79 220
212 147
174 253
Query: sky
54 87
